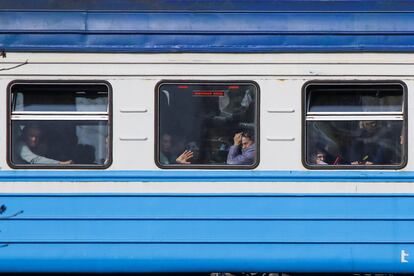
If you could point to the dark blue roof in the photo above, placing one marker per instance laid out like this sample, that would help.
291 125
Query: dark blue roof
211 5
206 26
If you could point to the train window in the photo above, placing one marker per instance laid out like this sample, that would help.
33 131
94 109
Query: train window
354 100
355 125
209 125
59 125
60 99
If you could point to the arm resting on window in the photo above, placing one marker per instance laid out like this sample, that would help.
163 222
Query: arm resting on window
27 155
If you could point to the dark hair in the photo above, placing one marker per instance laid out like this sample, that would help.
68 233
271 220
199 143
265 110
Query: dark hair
165 134
26 129
248 134
316 152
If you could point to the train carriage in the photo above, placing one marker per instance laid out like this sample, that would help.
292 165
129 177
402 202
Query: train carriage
203 136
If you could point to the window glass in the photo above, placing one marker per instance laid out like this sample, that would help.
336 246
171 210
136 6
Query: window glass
60 98
207 124
49 126
60 142
365 139
355 99
355 142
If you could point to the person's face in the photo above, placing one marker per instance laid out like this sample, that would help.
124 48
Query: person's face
166 143
320 157
246 142
32 138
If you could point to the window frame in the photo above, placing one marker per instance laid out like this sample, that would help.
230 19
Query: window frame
58 82
198 166
370 115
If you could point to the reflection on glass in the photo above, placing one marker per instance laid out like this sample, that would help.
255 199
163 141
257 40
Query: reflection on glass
207 124
355 99
60 142
354 142
57 98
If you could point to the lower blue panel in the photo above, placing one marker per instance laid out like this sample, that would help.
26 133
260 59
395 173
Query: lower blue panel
205 257
196 233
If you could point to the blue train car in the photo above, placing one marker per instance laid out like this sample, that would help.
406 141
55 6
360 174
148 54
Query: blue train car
205 136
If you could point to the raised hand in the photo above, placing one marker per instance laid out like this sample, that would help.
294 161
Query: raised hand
237 138
183 158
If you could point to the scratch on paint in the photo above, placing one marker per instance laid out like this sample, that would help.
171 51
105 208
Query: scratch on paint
14 67
12 216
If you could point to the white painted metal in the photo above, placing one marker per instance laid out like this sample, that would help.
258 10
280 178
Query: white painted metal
280 138
281 110
133 78
133 110
133 138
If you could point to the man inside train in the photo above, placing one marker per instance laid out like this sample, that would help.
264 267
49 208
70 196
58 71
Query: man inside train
243 150
319 158
31 149
366 149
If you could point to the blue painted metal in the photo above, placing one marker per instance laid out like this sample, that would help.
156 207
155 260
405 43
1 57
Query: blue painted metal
267 27
204 257
211 5
208 23
209 207
205 176
206 233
